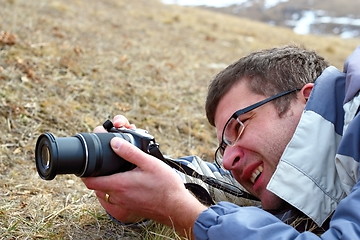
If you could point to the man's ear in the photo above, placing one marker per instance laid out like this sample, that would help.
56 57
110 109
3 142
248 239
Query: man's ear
306 90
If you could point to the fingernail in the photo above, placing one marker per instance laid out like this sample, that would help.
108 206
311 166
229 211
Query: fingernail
115 143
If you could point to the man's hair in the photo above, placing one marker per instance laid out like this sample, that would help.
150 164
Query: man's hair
267 72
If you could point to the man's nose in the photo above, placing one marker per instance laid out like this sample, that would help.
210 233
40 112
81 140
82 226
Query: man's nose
232 155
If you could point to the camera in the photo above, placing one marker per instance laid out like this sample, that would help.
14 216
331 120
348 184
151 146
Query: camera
87 154
90 155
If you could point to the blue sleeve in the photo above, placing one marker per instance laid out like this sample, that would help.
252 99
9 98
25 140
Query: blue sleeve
229 221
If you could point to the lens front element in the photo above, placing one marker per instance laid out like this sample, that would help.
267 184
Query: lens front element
45 157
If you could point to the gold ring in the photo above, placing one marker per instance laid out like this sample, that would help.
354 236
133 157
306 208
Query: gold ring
107 198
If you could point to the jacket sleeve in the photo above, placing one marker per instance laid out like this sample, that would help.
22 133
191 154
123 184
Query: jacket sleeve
228 221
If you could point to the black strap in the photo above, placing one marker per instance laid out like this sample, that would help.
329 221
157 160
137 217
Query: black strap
216 183
200 193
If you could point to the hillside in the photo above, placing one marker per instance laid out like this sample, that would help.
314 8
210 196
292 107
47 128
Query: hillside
332 17
66 66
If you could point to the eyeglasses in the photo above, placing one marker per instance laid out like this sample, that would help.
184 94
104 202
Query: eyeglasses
234 127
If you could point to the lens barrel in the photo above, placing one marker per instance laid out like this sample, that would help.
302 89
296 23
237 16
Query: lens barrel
85 155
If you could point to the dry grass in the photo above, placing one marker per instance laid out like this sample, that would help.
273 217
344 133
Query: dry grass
66 66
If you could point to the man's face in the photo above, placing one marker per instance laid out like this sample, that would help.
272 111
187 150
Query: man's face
254 157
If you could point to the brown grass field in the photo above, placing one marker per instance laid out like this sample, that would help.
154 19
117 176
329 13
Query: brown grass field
66 66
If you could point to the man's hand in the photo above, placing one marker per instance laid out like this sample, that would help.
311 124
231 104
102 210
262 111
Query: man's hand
152 190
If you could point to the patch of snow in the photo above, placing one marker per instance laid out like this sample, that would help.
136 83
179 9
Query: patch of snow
302 25
273 3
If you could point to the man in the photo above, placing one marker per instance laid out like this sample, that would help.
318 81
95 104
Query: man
288 132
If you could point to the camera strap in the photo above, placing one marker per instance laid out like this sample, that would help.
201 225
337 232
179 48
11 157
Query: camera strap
216 183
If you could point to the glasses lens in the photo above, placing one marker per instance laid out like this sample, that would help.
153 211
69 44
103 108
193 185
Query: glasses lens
232 131
219 155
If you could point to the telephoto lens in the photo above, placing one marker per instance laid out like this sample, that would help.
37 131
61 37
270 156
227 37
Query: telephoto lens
85 154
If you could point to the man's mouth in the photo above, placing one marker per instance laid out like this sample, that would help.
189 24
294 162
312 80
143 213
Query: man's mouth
256 173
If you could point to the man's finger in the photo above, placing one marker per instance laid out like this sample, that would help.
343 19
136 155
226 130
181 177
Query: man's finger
100 129
122 121
131 153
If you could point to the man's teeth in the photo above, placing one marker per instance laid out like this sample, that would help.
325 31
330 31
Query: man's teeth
256 173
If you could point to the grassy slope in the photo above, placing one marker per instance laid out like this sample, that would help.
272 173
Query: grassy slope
74 63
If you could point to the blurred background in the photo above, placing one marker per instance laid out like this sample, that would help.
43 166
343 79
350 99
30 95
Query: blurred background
333 17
